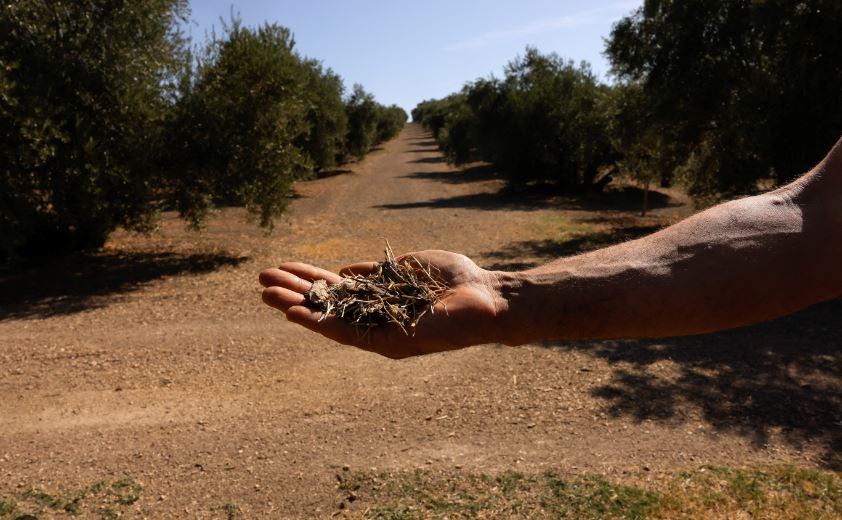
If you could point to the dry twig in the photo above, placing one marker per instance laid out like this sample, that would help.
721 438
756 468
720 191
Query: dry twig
396 292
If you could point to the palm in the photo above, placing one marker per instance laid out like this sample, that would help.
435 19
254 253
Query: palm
461 319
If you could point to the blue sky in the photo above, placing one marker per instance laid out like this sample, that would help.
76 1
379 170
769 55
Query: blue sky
404 51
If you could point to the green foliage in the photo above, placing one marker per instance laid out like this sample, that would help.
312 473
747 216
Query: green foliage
717 94
107 118
237 123
644 152
362 122
369 122
744 89
546 120
324 143
390 121
450 120
256 116
84 90
434 113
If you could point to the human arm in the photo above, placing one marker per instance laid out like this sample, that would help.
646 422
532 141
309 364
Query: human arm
735 264
738 263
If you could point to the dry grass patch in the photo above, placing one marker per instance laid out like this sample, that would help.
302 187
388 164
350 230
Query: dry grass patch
106 500
780 492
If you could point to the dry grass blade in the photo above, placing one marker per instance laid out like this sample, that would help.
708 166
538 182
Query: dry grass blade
399 292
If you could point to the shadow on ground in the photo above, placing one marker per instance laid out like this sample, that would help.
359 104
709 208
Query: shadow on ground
428 160
780 378
324 174
625 199
510 258
424 141
81 282
783 377
478 173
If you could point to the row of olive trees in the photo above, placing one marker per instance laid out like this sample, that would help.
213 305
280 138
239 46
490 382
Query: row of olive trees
107 118
718 95
726 93
255 116
545 120
370 122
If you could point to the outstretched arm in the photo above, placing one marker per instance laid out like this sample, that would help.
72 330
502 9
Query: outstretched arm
738 263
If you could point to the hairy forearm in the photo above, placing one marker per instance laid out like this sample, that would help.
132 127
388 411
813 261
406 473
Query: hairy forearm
738 263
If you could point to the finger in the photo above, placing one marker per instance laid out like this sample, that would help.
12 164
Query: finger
279 278
310 272
267 277
360 268
282 298
331 327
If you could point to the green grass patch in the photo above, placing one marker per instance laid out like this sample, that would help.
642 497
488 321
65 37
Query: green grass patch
779 492
232 511
7 507
560 227
99 500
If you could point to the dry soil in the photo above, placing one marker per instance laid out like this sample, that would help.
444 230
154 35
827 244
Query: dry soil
155 359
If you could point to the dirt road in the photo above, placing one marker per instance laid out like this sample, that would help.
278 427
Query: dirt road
156 361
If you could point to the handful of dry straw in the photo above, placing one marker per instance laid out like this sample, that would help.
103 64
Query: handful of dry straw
395 292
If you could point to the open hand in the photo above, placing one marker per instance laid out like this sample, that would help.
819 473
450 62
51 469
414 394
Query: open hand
466 316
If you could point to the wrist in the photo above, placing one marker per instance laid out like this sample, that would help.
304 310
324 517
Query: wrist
518 318
564 300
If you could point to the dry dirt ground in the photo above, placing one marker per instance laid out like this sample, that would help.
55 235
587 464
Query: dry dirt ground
155 360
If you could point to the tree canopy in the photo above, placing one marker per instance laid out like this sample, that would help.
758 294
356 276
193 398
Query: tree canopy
84 90
722 96
108 117
745 89
544 120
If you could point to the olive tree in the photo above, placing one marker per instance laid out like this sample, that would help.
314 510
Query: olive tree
745 89
85 88
236 126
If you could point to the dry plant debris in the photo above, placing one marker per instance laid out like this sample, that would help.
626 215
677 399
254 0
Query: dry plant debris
399 292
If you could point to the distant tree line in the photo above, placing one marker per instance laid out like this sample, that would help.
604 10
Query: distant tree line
545 120
718 95
108 116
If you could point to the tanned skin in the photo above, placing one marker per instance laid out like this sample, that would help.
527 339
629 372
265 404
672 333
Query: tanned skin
738 263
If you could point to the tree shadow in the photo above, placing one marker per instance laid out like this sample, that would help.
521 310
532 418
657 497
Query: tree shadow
540 196
483 172
622 199
85 281
781 378
507 258
486 201
325 174
429 160
424 141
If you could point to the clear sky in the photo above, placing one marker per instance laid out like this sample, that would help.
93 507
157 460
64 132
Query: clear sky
405 51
